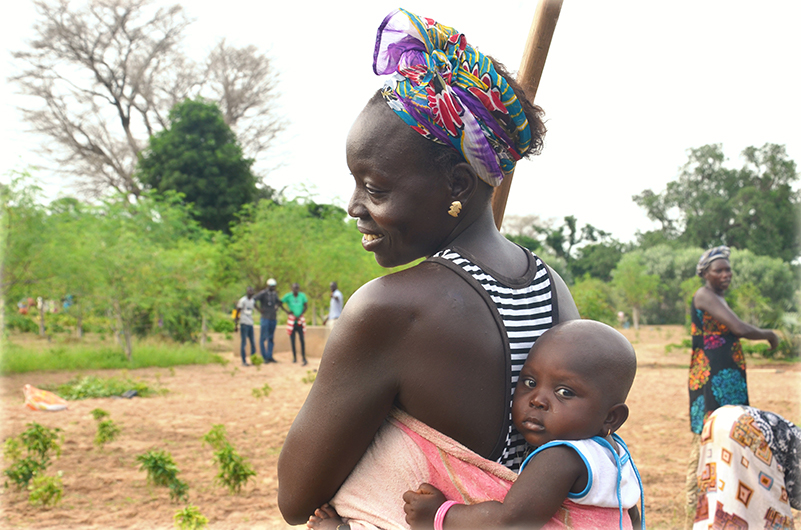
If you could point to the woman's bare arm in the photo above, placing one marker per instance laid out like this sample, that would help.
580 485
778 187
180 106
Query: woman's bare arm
706 300
564 300
354 390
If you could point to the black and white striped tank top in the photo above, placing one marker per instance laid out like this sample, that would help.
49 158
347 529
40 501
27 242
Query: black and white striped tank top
526 307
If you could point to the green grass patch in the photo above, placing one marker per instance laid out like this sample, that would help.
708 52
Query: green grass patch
76 356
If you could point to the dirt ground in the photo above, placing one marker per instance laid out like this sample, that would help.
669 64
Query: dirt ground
105 489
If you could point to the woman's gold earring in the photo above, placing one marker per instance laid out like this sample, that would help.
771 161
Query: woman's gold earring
456 207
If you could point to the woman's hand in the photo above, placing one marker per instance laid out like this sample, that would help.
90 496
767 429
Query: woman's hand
422 505
773 340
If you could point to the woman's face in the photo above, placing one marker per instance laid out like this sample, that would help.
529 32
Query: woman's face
401 200
718 275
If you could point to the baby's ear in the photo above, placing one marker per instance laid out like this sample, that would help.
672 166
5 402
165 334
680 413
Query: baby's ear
616 417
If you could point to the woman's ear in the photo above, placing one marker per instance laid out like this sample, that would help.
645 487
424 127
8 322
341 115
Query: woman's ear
616 417
463 182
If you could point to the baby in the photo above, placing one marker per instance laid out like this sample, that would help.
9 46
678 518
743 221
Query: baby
568 403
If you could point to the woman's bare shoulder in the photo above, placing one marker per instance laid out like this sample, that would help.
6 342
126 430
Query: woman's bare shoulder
416 286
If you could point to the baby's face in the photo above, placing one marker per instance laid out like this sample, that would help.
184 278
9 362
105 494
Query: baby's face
554 399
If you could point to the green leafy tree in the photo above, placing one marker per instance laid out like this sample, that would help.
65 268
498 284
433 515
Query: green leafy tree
597 259
198 156
23 239
753 208
307 243
594 300
762 288
634 285
673 266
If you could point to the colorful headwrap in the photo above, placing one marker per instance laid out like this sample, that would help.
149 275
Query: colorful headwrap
709 256
449 92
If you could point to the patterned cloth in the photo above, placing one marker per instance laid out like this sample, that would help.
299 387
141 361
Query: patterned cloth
290 323
449 92
717 368
742 482
709 256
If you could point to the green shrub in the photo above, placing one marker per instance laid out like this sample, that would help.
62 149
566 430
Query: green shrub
46 491
311 375
23 470
107 431
216 437
39 443
190 518
262 392
23 323
162 471
594 300
99 414
91 386
234 470
223 324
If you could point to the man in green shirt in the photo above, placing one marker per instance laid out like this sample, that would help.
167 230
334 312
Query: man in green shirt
296 322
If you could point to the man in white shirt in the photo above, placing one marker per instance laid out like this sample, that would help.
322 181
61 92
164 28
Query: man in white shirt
244 321
334 308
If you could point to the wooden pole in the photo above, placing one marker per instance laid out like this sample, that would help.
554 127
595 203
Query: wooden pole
529 74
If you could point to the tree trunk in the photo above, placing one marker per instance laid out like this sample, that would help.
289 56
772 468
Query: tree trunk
41 304
635 316
118 326
203 327
127 346
79 324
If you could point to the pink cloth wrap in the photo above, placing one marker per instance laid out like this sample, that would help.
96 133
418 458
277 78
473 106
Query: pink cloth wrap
406 452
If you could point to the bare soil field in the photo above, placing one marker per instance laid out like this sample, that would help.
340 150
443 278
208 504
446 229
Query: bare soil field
103 488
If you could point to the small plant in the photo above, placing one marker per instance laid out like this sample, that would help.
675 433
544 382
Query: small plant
162 471
179 490
256 361
234 470
216 437
311 375
99 414
190 518
12 449
23 470
46 491
107 431
263 391
39 443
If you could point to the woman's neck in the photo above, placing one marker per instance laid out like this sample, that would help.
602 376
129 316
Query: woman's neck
483 240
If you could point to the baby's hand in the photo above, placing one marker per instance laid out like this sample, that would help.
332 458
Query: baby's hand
422 505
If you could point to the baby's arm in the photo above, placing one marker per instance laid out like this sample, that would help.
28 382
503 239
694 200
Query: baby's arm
532 500
634 514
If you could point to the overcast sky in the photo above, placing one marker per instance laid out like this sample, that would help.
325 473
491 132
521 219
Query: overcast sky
628 88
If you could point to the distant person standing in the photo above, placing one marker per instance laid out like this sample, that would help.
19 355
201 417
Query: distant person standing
335 307
717 366
296 322
267 303
243 320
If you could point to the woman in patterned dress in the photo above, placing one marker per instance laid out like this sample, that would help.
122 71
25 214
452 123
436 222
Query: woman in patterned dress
717 368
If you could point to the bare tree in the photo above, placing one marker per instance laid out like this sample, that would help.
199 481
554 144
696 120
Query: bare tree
244 85
106 75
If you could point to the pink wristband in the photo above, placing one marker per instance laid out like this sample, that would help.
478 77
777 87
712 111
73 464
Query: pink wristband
439 518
